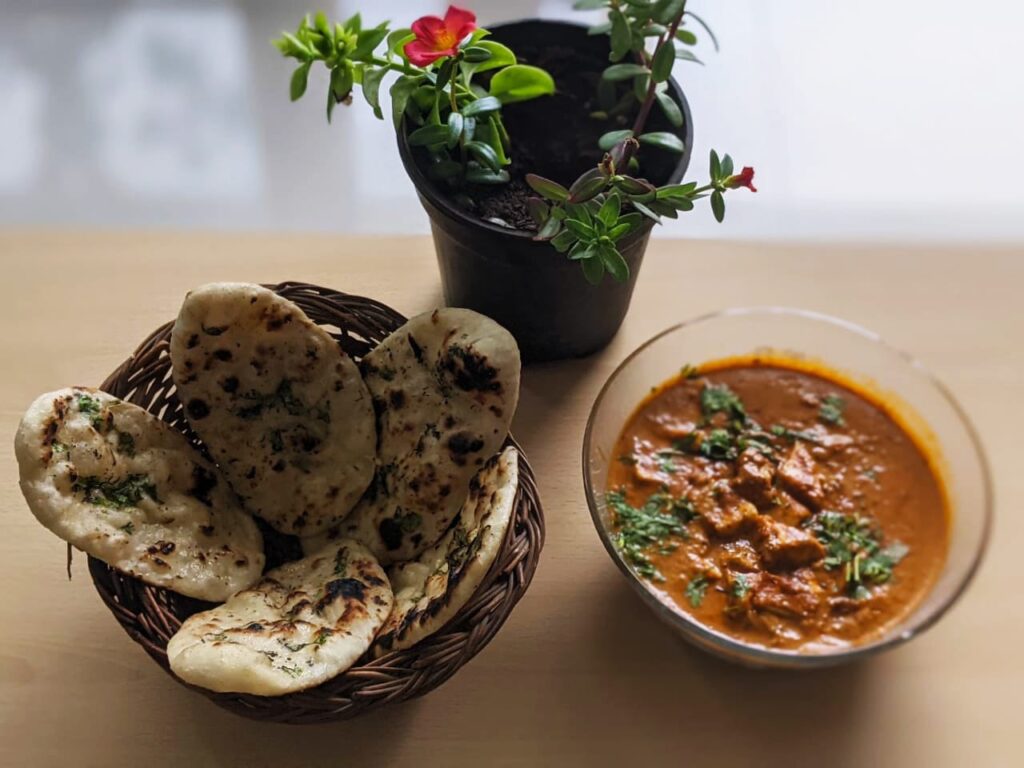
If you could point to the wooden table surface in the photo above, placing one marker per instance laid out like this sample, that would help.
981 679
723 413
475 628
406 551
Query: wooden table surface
581 674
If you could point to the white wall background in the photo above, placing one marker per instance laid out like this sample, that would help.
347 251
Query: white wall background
896 120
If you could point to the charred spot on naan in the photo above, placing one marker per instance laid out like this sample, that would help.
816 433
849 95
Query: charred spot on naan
469 369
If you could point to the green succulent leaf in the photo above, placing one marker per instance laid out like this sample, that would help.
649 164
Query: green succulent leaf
401 90
321 23
521 82
715 167
661 64
429 135
609 212
475 54
671 110
727 167
549 229
718 205
552 190
456 122
686 37
614 263
647 212
582 230
621 36
619 231
610 139
299 79
478 175
593 270
662 140
563 241
481 106
587 186
589 5
369 40
665 11
501 56
637 188
685 55
662 208
484 154
354 23
540 211
676 190
372 77
618 72
397 41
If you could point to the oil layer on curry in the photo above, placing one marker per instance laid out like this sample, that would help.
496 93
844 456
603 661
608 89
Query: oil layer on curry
778 505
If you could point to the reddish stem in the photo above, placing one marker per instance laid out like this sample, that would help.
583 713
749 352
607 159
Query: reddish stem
645 108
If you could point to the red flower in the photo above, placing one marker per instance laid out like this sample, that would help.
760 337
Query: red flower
437 38
744 178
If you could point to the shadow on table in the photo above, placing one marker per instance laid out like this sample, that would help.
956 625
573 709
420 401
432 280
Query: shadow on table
374 739
552 392
673 693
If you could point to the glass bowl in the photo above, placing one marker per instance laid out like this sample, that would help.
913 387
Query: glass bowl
935 418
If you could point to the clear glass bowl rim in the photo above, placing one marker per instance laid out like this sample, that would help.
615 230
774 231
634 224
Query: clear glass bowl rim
730 647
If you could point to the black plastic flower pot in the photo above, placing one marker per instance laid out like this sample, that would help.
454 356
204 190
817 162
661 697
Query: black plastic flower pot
530 288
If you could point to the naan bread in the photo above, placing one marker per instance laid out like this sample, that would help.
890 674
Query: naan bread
123 486
429 591
302 624
280 407
445 386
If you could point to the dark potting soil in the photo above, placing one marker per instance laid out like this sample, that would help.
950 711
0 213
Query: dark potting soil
556 136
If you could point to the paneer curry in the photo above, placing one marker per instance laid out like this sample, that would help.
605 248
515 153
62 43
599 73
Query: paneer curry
777 504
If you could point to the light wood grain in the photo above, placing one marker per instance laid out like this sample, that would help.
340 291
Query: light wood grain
581 674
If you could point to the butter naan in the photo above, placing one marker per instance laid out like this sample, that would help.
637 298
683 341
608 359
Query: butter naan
279 405
302 624
123 486
430 590
445 387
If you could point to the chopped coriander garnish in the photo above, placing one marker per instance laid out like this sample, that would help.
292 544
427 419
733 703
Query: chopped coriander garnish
627 459
718 398
696 588
832 408
91 407
322 635
293 671
853 544
638 528
689 371
666 459
718 445
88 405
340 561
740 586
116 495
128 528
795 434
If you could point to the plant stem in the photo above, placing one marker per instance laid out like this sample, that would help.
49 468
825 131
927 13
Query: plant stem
645 108
404 67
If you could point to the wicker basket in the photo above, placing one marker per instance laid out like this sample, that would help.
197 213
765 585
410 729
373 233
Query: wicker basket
150 615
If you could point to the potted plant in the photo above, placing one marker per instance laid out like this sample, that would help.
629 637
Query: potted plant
543 152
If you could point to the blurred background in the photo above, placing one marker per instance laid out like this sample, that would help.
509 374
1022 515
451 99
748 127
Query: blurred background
890 121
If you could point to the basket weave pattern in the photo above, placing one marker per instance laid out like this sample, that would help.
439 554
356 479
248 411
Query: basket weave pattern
150 615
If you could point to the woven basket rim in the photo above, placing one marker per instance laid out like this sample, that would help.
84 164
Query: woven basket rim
150 615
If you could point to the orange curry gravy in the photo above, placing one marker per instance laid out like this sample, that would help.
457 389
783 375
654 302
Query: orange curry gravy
777 505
